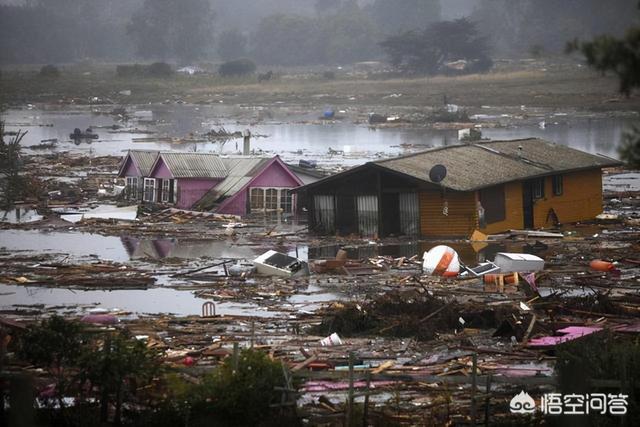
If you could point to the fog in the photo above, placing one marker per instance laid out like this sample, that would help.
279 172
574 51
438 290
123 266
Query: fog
286 32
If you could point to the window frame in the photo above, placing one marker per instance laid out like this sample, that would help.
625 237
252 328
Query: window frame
132 185
557 182
165 193
270 201
537 189
149 187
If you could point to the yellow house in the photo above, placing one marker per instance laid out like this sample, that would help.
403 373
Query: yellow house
489 186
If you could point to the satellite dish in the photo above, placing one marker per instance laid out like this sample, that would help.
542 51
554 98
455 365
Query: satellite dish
437 173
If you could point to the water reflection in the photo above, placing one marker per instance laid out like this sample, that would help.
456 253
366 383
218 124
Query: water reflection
290 136
154 300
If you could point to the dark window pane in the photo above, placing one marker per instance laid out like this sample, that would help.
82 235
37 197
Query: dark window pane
492 200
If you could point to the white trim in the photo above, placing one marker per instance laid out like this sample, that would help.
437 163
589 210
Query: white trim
279 196
132 185
165 191
152 186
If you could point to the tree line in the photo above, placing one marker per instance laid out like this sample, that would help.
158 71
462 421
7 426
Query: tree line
306 32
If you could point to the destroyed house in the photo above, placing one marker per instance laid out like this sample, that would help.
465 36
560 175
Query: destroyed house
489 186
203 181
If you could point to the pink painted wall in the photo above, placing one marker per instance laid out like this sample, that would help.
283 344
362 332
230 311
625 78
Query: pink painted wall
161 170
130 169
190 190
274 175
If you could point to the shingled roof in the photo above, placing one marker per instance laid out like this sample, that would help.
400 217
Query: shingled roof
484 164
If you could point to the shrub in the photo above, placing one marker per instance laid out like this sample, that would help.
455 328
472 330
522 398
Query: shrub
238 67
49 71
159 69
240 396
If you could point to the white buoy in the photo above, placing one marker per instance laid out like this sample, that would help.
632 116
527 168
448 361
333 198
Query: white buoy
441 261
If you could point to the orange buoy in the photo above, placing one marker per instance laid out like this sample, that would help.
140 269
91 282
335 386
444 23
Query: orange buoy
599 265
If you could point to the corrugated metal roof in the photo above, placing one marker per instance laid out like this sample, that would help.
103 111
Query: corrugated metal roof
144 159
474 166
240 171
194 165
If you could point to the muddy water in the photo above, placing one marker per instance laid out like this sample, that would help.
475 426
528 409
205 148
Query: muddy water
155 300
290 134
125 248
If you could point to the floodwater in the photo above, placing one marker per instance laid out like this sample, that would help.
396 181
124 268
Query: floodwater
125 248
153 300
291 134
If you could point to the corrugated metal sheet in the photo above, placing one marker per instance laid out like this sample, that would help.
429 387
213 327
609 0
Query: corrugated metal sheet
240 170
144 160
324 213
367 215
194 165
409 214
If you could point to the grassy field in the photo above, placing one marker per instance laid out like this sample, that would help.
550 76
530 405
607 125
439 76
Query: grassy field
562 85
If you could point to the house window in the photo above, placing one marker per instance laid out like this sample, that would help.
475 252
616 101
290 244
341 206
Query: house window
271 199
257 198
166 190
149 190
493 202
557 185
286 201
538 188
132 187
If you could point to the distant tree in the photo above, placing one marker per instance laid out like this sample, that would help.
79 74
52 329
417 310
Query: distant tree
514 27
429 50
237 67
348 35
622 57
232 44
399 16
288 40
166 29
49 71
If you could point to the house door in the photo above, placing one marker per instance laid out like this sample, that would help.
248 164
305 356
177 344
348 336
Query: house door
390 214
527 204
347 215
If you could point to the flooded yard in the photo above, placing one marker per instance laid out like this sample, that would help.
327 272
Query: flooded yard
294 134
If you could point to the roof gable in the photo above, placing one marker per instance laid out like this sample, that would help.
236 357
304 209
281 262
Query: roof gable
143 160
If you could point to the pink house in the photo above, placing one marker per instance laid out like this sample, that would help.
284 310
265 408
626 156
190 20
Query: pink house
202 181
136 166
253 184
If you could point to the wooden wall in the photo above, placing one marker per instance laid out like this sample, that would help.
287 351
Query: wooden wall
460 221
513 219
581 199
